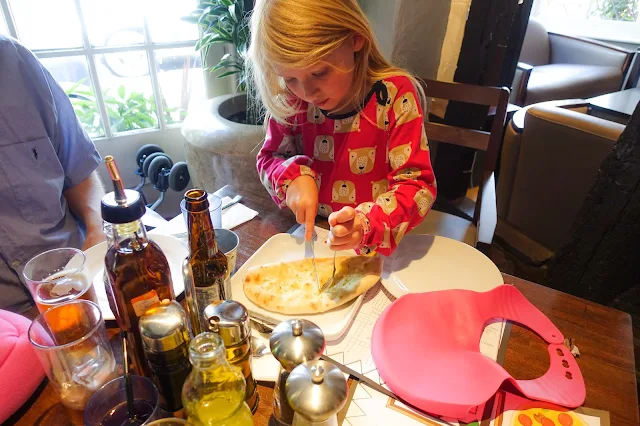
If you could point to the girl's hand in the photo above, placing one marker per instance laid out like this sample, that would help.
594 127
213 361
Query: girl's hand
302 199
346 229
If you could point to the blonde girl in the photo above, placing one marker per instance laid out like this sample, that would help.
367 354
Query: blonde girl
345 136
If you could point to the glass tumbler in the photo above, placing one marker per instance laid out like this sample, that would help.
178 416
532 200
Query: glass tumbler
58 276
215 210
72 345
108 407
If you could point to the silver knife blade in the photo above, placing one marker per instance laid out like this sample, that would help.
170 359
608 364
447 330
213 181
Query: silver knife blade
376 387
309 251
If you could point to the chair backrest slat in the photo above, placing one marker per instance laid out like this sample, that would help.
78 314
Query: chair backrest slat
476 139
468 93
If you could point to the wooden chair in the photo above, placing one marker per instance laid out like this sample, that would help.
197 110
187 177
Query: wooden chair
478 230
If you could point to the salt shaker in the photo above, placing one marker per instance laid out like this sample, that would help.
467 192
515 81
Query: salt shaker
230 320
316 390
292 342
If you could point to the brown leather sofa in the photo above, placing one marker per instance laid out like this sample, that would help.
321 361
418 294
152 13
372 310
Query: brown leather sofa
555 66
550 158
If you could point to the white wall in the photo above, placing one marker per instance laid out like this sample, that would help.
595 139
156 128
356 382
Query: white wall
381 16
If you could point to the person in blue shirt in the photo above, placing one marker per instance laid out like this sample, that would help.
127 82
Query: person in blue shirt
50 191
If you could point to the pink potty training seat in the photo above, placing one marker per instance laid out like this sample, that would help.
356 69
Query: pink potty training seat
426 349
20 369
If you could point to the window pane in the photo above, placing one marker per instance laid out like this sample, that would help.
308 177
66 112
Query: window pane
72 74
165 24
565 8
181 81
126 88
617 10
3 26
115 22
46 24
614 10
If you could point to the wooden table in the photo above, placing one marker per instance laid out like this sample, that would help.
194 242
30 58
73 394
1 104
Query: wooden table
617 106
603 335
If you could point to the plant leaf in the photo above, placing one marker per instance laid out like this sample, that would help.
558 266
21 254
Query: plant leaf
228 73
223 33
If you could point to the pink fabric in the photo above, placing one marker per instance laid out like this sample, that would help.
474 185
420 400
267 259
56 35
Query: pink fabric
20 369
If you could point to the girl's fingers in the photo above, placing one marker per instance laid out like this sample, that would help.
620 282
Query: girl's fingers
344 215
343 229
300 215
349 240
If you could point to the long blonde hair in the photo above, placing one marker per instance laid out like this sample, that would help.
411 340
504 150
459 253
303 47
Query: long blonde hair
300 33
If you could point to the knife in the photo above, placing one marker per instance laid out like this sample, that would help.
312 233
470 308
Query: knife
309 251
378 388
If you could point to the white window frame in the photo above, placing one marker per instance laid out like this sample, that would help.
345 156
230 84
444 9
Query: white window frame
90 52
613 31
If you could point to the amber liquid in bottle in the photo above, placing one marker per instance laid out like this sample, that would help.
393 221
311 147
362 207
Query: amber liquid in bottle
208 266
140 278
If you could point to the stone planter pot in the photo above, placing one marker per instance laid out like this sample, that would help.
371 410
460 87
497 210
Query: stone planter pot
220 151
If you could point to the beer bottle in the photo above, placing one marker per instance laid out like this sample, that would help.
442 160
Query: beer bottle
138 271
205 270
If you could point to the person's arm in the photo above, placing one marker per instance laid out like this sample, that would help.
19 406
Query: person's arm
287 174
84 202
412 185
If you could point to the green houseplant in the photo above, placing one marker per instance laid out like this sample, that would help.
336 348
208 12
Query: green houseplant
222 134
227 22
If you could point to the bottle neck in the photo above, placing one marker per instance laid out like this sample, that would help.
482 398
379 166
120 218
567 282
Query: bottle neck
206 351
202 238
129 236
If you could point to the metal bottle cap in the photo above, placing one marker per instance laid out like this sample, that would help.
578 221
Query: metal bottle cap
316 390
295 341
164 327
230 320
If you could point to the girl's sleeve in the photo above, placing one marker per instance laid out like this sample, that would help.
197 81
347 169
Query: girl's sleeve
280 160
411 189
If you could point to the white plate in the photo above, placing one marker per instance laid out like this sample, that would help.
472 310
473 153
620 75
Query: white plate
173 249
286 248
428 263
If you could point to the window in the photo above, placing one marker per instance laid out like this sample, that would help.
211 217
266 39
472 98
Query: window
614 20
126 65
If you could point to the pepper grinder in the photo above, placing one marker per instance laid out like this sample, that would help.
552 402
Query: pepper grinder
292 342
230 320
165 338
316 390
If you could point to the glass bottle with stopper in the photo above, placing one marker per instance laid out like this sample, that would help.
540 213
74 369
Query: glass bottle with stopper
139 274
206 270
214 391
317 391
230 320
292 342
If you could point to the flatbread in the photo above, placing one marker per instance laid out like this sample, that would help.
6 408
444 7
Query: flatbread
291 288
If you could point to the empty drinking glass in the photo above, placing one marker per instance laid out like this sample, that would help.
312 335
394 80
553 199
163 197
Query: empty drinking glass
71 342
